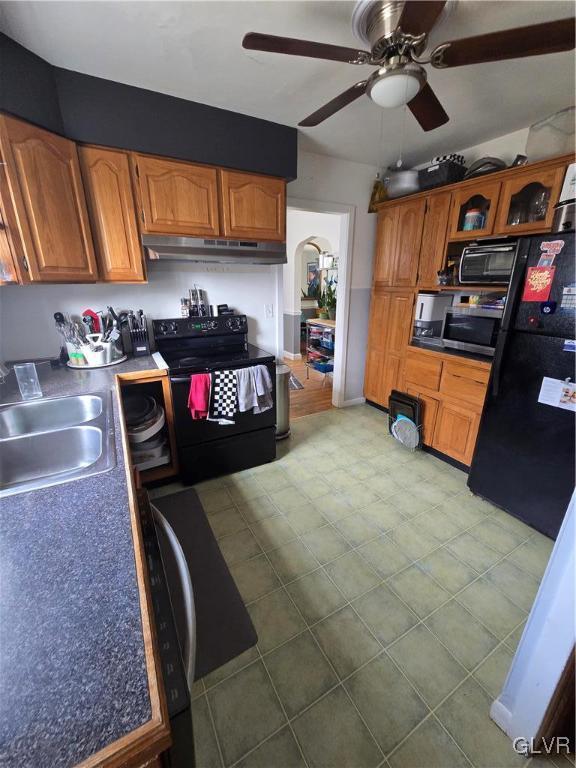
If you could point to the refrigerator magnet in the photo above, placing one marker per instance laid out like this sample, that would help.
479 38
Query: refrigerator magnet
538 283
569 345
558 394
568 297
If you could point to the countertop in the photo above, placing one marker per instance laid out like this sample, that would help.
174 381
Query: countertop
72 658
416 344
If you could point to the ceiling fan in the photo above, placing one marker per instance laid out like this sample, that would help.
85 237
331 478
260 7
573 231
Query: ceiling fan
397 32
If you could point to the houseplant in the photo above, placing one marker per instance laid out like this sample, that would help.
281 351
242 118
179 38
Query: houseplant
330 301
322 309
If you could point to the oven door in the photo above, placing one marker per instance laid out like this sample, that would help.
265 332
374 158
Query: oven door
190 432
473 330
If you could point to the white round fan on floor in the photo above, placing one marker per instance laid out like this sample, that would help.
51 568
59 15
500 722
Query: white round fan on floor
406 432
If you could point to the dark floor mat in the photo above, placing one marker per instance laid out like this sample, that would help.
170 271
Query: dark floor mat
224 628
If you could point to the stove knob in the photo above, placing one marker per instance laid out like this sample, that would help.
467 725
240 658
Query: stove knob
213 324
172 327
163 329
234 323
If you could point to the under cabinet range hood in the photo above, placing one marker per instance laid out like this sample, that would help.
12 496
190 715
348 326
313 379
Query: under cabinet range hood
213 250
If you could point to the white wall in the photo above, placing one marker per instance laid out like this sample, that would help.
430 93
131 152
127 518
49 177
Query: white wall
26 312
327 179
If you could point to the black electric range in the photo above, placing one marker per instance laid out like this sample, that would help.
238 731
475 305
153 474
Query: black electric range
205 344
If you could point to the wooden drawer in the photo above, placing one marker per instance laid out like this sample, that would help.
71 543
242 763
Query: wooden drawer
464 382
422 371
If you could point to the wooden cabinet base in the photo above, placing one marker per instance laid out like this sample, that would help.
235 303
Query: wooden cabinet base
456 430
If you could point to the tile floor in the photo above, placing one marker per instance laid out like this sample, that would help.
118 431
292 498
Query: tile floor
388 603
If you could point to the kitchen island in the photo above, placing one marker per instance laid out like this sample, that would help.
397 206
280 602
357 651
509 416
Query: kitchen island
80 677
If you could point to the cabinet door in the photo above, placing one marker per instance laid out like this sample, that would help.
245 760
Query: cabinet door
433 248
8 258
456 430
483 197
429 414
399 324
376 350
386 230
408 240
48 200
253 207
527 201
112 211
177 198
391 377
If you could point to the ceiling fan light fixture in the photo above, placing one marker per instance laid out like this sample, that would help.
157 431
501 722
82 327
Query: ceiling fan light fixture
396 87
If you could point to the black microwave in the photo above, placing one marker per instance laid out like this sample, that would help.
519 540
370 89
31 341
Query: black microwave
487 262
471 329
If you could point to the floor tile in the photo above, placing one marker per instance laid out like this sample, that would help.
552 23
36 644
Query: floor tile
254 578
438 524
496 536
352 575
384 484
275 619
516 584
512 524
279 751
383 515
359 496
356 529
384 556
465 716
245 710
412 541
493 608
473 552
346 641
386 615
258 509
447 570
246 489
305 518
227 521
205 745
326 543
288 498
514 637
430 746
340 479
361 470
464 511
333 506
231 667
316 596
197 689
408 504
387 701
431 491
272 479
215 499
533 555
493 671
297 473
464 636
427 664
314 488
272 532
418 590
239 546
331 734
300 673
292 560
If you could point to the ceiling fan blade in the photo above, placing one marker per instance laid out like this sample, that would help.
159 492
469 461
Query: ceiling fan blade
419 16
550 37
335 105
427 109
274 44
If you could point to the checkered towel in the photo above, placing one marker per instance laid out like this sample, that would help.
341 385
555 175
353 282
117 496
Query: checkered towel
223 397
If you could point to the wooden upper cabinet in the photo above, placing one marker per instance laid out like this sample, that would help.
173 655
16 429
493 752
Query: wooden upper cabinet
433 247
9 272
527 201
481 196
386 231
253 207
177 198
47 196
112 210
408 239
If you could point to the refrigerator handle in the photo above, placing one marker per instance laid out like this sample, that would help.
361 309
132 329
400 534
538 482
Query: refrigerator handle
516 282
497 363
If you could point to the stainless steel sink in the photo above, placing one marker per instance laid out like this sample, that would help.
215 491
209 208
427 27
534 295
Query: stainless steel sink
52 413
54 441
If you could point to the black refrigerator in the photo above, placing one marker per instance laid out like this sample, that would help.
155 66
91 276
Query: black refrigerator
524 457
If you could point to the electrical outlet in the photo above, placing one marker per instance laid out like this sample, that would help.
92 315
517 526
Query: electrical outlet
269 311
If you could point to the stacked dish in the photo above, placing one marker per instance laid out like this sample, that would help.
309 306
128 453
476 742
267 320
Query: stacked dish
145 422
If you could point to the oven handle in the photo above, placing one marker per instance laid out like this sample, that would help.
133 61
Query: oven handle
189 650
180 379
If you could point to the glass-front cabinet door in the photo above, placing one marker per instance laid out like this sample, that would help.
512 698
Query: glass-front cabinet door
473 211
527 201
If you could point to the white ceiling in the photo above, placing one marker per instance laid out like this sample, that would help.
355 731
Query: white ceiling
193 50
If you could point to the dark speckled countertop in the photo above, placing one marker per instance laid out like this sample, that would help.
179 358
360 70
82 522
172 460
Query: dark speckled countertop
72 664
